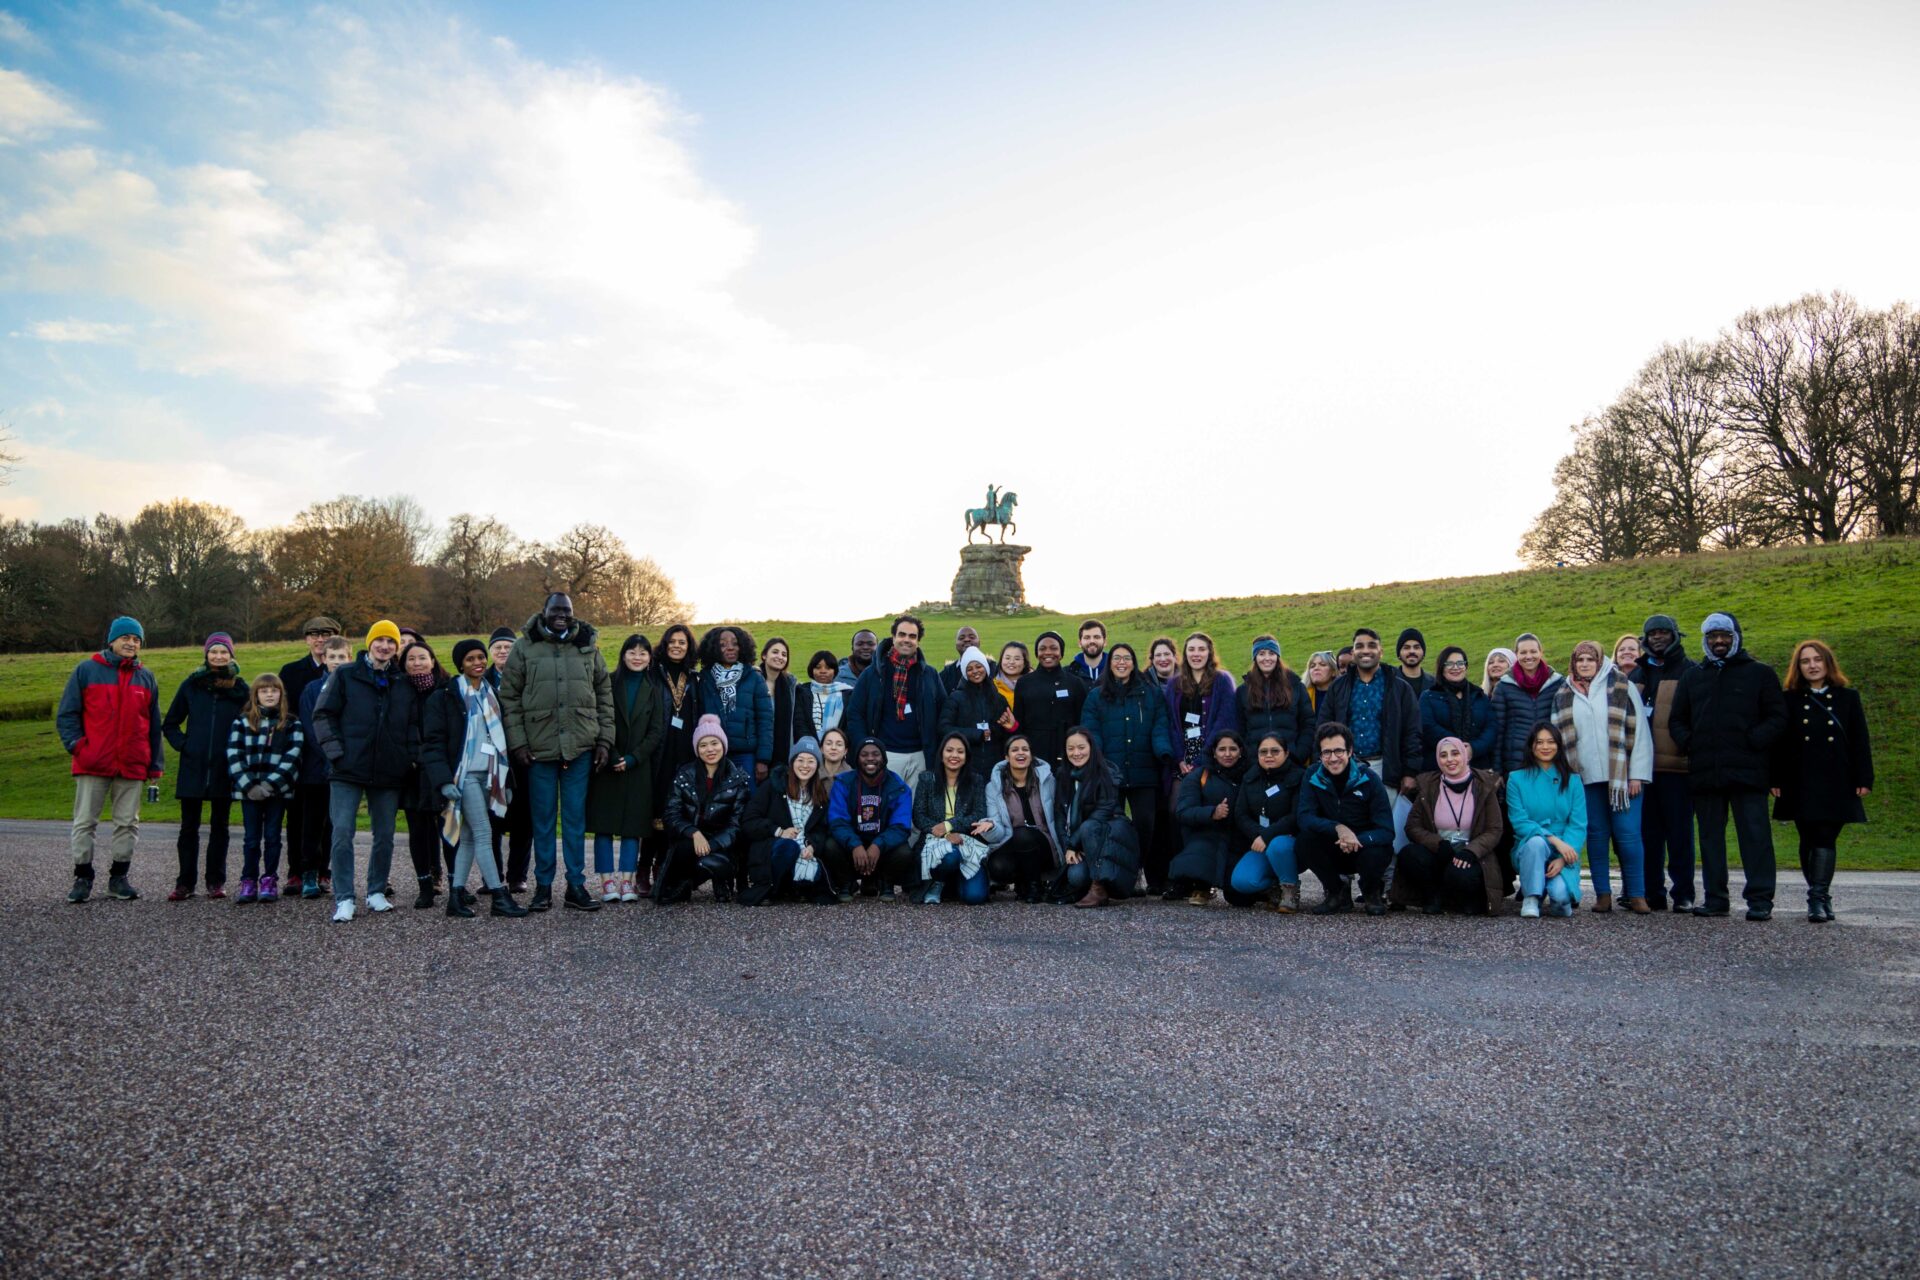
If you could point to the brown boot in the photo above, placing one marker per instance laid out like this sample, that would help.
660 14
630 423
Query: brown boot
1638 906
1602 903
1096 896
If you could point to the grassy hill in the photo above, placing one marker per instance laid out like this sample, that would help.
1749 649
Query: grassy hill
1864 599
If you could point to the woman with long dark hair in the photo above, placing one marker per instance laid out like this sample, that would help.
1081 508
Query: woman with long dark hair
675 673
775 659
1548 810
620 799
1020 791
1126 717
820 702
421 799
732 689
1265 813
1099 849
1824 764
1203 805
789 849
950 812
1271 699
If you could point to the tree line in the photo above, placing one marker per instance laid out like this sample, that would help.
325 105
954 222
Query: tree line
1799 423
187 568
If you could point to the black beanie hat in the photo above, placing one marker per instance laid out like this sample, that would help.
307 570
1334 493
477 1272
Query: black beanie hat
501 633
465 647
1411 633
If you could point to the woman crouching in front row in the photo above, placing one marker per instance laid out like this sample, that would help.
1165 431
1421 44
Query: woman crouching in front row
1099 847
704 809
1453 832
950 809
789 851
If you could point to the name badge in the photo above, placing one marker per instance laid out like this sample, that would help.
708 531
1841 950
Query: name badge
1193 733
1062 693
983 726
1193 717
1263 820
909 710
678 723
1273 790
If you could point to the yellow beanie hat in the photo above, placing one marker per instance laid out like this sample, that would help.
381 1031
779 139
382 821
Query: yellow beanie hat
382 628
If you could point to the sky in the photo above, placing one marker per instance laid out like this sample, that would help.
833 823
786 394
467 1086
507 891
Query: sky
1238 298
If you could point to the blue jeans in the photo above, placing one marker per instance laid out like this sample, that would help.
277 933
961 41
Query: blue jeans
603 854
1258 872
1624 828
476 834
558 789
1666 828
261 822
343 806
973 889
1532 855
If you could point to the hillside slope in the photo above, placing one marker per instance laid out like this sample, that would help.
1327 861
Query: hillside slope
1864 599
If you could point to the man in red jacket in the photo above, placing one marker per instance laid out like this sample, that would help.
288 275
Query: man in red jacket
109 722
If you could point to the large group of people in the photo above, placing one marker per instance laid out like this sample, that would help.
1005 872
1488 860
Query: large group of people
1084 780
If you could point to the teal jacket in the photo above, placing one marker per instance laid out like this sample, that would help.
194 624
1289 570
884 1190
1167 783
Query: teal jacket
1537 806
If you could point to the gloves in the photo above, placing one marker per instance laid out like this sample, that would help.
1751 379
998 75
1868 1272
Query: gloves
450 792
260 791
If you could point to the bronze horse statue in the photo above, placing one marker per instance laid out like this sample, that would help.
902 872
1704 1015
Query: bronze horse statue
999 512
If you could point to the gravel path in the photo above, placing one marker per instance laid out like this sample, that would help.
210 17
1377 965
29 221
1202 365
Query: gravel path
200 1089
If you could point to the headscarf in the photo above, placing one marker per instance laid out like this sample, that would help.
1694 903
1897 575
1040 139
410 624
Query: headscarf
1599 664
1465 775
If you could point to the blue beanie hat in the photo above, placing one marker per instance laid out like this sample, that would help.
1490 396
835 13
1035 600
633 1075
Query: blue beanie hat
125 626
1267 644
806 747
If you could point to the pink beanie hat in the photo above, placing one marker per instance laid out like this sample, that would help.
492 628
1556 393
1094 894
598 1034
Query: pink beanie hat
709 727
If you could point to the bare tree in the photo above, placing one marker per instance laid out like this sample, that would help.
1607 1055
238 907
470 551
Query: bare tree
648 596
1674 407
584 562
1886 434
474 554
351 557
7 456
1788 396
1598 491
191 571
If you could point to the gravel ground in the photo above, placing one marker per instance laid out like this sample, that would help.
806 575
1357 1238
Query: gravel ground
199 1089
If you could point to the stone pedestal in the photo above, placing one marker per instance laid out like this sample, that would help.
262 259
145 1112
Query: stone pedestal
989 578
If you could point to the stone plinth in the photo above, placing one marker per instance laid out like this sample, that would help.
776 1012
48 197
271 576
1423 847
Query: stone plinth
989 578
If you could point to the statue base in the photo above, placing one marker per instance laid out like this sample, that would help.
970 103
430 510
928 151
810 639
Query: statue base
989 578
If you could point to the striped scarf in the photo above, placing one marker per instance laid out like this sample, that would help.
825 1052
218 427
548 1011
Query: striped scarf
487 741
901 670
1622 728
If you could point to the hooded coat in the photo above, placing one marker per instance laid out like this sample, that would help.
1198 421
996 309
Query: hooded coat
556 695
872 698
109 719
197 724
1728 716
1131 729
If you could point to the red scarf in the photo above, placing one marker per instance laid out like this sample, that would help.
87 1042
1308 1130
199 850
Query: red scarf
900 672
1532 684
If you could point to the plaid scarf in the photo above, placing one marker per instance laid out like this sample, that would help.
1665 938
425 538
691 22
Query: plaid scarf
486 744
1622 728
901 670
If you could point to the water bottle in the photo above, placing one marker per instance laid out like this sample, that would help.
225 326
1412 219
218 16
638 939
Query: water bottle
153 793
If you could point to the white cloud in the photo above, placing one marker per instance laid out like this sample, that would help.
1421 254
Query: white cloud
30 110
77 331
17 33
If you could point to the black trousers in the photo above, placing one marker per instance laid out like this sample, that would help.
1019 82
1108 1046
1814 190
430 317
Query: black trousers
1666 829
1323 857
424 845
218 814
515 831
1026 858
310 830
1428 876
1750 826
1158 845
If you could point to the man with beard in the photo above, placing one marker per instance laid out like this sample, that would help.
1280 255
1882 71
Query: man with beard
1412 652
1666 819
951 675
1727 714
1380 713
1091 662
557 700
1049 700
897 702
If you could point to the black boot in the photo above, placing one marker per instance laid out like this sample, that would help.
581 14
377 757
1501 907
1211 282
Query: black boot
425 899
82 883
1818 866
542 899
117 885
578 899
457 906
504 905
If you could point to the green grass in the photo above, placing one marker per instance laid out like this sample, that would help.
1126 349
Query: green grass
1864 599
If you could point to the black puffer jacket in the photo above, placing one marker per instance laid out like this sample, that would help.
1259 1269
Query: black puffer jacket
1087 812
1295 722
1210 846
715 811
367 723
197 725
1728 717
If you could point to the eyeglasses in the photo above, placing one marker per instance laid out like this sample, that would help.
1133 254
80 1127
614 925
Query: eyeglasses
1455 665
1334 751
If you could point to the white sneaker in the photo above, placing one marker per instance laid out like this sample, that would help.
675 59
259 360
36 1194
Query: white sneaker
343 911
377 902
1530 908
